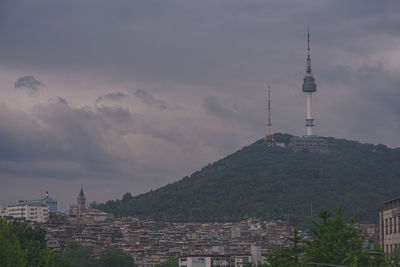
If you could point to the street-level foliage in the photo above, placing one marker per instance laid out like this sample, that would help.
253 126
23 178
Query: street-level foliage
335 243
24 246
273 182
76 255
115 257
172 262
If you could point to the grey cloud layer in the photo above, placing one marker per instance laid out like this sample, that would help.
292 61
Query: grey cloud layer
149 99
116 96
210 58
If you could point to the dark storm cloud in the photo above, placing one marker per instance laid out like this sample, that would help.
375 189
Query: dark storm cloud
116 96
213 105
149 99
60 140
65 142
368 89
58 99
29 83
118 118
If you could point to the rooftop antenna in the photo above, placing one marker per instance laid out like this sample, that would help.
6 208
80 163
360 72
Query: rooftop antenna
269 138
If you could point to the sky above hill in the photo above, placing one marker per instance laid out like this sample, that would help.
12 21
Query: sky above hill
127 96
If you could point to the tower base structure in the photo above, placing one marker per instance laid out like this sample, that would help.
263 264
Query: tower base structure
311 143
269 139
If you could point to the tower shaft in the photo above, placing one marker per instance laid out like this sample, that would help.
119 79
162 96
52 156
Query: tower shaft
309 119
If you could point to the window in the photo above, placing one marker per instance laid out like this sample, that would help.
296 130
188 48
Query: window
386 226
394 225
390 225
398 222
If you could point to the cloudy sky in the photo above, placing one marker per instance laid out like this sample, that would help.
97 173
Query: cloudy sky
127 96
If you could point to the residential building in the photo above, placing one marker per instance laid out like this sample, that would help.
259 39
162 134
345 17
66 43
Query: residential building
225 260
30 212
48 201
389 219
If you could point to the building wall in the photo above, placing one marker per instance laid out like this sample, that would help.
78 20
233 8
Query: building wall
215 260
52 203
390 226
310 143
3 211
81 205
31 212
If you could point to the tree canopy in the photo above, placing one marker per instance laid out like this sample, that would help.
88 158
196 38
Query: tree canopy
273 182
24 246
336 242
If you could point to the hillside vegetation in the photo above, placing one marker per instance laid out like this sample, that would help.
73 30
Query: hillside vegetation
276 183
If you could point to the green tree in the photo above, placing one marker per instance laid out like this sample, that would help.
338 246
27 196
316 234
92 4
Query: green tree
287 256
126 197
393 260
78 256
337 242
115 257
22 245
279 257
11 254
172 262
297 247
27 235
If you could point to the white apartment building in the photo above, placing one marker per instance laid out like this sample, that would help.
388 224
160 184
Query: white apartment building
219 259
214 260
3 210
30 212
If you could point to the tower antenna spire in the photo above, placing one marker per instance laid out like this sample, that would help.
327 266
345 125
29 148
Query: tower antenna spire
269 138
308 70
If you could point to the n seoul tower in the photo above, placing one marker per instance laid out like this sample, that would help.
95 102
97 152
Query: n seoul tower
309 141
309 87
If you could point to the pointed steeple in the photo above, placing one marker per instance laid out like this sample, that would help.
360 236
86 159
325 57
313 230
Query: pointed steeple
81 193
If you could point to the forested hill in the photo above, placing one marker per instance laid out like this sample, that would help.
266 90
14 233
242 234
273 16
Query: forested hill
276 183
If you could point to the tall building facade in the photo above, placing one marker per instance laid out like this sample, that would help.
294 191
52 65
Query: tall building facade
30 212
389 221
48 201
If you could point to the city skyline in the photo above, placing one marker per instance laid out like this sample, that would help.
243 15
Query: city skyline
127 97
